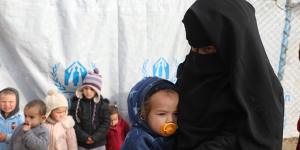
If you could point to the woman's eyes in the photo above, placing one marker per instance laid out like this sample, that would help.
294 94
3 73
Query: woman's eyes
161 114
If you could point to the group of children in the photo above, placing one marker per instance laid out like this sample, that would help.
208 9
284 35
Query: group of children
91 123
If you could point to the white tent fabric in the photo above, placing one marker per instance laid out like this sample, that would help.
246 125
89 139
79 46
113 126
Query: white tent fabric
54 43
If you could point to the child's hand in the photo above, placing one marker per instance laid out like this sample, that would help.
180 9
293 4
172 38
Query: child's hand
90 140
26 126
2 136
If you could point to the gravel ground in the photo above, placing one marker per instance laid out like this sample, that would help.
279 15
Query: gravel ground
290 144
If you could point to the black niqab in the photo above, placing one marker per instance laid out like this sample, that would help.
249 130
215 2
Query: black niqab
231 99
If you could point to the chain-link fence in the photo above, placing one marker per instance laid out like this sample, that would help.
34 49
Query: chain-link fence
279 25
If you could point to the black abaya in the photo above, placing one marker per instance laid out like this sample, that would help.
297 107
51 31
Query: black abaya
231 99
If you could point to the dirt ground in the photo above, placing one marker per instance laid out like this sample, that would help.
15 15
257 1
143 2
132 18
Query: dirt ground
289 144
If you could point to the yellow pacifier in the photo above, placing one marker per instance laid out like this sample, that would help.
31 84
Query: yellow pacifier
168 129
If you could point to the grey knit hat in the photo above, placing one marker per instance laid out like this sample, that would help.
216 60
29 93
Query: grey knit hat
94 81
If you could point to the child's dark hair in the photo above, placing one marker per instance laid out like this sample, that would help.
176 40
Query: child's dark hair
39 104
113 109
9 90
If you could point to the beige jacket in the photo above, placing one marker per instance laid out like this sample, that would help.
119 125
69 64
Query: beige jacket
62 134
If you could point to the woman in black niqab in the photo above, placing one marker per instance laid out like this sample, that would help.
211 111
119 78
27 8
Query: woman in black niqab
231 99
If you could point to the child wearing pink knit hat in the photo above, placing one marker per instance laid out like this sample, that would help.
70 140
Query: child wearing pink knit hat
91 114
59 123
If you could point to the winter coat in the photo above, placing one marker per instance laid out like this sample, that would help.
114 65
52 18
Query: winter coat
8 126
9 123
86 125
36 138
141 137
61 134
116 135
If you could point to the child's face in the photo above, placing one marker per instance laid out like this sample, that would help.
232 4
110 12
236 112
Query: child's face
33 117
114 119
88 92
163 109
59 113
8 103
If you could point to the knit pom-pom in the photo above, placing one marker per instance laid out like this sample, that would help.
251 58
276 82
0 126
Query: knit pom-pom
96 70
52 91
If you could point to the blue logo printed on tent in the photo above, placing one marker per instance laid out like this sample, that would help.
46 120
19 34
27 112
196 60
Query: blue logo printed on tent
161 68
75 71
73 76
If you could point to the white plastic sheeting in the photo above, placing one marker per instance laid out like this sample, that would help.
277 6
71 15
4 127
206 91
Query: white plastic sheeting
54 43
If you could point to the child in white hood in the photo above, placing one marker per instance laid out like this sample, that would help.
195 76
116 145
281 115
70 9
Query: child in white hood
59 123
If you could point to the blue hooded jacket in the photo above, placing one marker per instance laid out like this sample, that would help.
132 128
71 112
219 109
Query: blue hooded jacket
141 137
10 122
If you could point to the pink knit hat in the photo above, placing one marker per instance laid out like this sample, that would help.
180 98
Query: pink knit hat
94 81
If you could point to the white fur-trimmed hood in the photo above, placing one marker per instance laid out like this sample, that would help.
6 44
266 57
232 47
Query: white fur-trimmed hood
67 122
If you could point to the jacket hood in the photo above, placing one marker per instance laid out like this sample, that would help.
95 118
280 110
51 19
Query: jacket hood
144 88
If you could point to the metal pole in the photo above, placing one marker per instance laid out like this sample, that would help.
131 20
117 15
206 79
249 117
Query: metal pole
285 38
